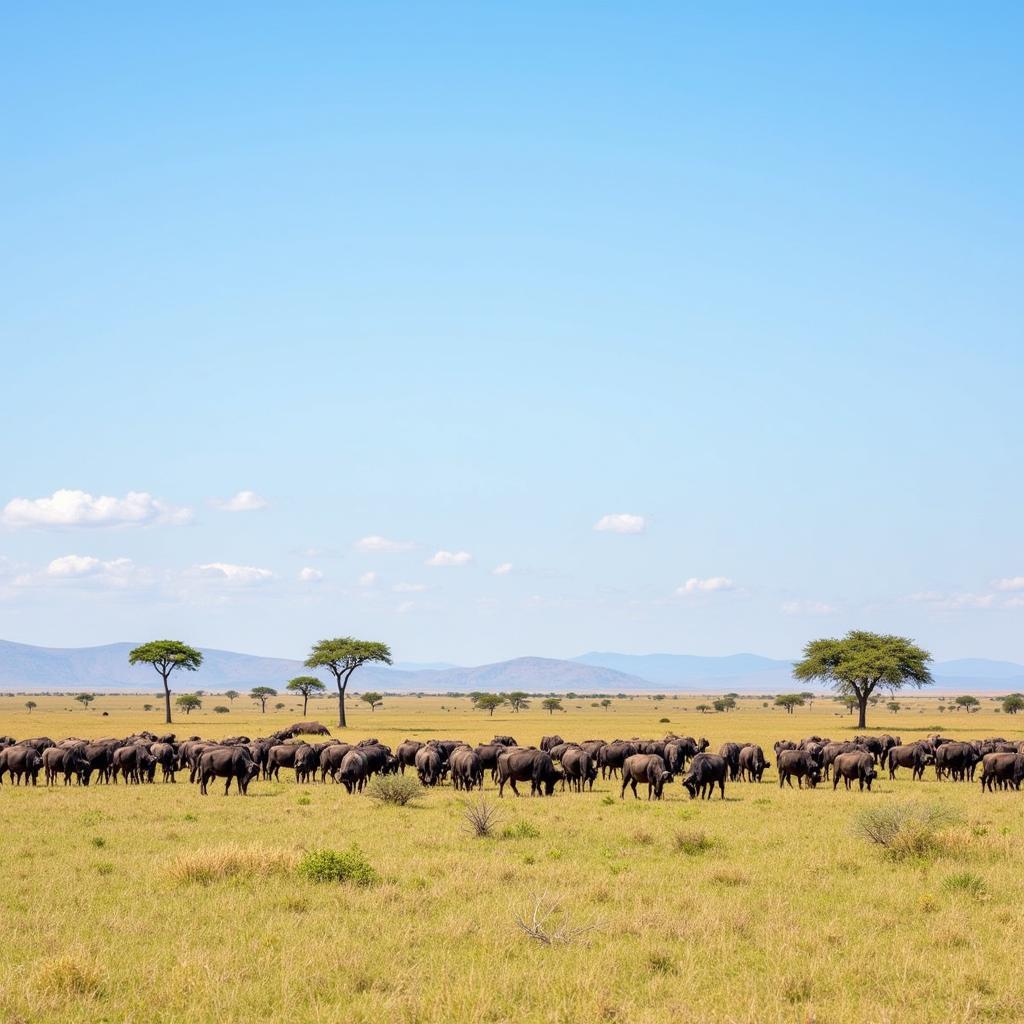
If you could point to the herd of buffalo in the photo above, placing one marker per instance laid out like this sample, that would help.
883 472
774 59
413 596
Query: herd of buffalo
655 763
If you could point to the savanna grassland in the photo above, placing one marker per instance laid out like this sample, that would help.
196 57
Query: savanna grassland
765 907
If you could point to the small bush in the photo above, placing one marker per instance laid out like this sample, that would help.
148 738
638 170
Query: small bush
520 830
99 842
728 876
608 800
206 866
659 963
663 721
66 976
480 819
337 866
304 801
905 830
693 842
398 790
965 883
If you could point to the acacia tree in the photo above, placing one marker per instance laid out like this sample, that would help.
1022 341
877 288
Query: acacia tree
518 700
373 698
188 702
341 657
30 704
166 656
968 703
860 662
85 699
307 686
551 705
790 701
489 702
1011 703
232 695
261 694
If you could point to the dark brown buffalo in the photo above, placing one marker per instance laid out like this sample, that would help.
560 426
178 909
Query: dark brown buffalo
309 729
488 754
651 747
611 756
406 754
354 771
830 752
306 763
579 769
958 760
467 769
37 743
281 755
167 758
134 763
100 758
731 753
228 763
505 741
752 763
547 742
68 761
856 765
557 751
331 758
799 765
379 759
914 756
592 747
429 765
533 766
649 768
706 772
1002 769
782 745
678 751
20 761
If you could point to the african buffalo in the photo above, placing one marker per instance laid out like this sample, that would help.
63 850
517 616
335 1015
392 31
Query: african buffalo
914 756
649 768
859 765
579 769
467 769
1003 769
353 771
533 766
227 763
20 761
429 765
799 765
706 772
752 763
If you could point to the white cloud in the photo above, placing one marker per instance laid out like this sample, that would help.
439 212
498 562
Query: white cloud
241 575
243 501
449 558
78 566
621 522
954 602
310 575
409 588
375 544
502 570
710 585
79 508
367 579
807 608
405 606
1009 583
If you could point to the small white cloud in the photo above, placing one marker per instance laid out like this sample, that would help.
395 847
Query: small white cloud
1009 583
711 585
621 522
310 575
78 566
409 588
382 545
449 558
502 570
243 501
368 579
405 606
69 508
954 602
242 575
807 608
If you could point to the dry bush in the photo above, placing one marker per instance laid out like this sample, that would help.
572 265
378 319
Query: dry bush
693 842
66 976
223 862
544 923
905 830
481 818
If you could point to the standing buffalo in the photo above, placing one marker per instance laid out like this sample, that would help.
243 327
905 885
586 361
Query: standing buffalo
706 772
799 765
914 756
467 768
227 763
429 765
353 771
752 763
649 768
1003 769
579 769
533 766
859 765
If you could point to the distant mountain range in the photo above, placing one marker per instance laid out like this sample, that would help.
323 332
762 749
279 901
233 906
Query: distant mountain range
24 667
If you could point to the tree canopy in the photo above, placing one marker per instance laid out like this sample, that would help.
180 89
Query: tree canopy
1012 703
488 702
790 701
860 662
551 705
373 698
518 700
261 694
968 703
85 699
341 656
189 702
307 686
166 656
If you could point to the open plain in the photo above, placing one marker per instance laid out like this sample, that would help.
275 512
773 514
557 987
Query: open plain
153 903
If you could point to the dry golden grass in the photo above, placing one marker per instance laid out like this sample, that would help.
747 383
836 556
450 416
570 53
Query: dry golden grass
156 904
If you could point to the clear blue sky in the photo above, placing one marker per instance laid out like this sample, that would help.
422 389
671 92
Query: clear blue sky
473 277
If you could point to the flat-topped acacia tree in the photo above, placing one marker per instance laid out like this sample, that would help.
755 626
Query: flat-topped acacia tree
860 662
308 686
341 656
166 656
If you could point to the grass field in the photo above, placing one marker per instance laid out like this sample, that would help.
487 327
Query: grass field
765 907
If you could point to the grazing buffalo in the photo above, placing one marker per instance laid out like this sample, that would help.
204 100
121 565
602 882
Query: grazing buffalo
859 765
533 766
1002 769
579 768
706 772
958 760
166 756
467 769
135 764
69 761
731 753
678 751
354 771
406 754
649 768
611 756
799 765
914 756
505 741
281 755
306 763
227 763
309 729
429 765
547 742
330 759
752 763
830 751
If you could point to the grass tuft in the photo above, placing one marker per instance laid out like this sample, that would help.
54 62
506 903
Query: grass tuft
398 790
905 830
965 883
224 862
480 819
693 842
337 866
66 976
521 830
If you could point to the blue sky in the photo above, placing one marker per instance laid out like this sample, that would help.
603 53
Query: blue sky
470 279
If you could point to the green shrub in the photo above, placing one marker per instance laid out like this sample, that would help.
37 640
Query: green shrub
905 830
337 866
304 801
965 883
398 790
520 830
693 842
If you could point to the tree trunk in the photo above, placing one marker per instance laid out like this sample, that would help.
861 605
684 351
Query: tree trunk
167 701
862 708
341 703
305 701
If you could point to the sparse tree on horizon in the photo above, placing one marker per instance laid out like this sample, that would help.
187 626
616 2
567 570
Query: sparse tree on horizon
261 694
30 704
232 695
789 701
968 703
307 686
85 699
518 700
551 705
166 656
859 663
341 656
188 702
373 698
489 702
